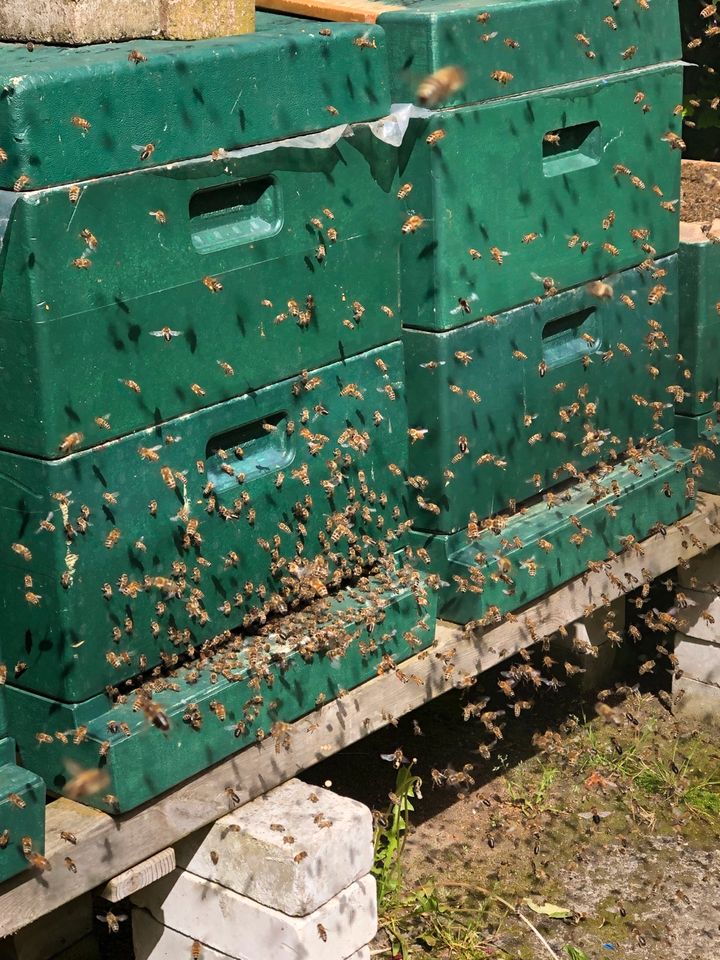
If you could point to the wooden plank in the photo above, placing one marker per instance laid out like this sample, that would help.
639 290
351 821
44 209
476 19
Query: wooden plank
140 876
106 845
356 11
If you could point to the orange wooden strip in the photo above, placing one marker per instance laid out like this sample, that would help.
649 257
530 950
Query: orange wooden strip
358 11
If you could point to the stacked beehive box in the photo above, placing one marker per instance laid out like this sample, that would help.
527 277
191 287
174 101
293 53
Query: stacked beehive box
22 806
204 386
538 287
698 417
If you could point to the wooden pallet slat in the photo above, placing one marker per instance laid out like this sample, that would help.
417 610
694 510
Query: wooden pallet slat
357 11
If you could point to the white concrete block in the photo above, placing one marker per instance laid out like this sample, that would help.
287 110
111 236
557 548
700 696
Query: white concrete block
233 924
699 700
53 933
701 571
259 848
698 659
153 941
692 621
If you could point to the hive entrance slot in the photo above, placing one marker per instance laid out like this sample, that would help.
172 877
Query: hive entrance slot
250 451
571 148
235 213
567 338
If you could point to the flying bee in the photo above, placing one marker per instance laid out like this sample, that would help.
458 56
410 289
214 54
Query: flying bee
154 714
213 285
440 86
131 385
435 137
553 138
147 151
581 38
512 44
519 355
497 254
669 205
530 237
71 441
166 333
82 263
412 224
404 191
113 922
89 238
501 76
81 123
136 57
22 181
226 368
159 215
629 53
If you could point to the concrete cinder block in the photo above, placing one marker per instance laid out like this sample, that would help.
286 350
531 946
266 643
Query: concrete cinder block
588 644
698 659
292 849
700 571
99 21
239 927
56 933
701 618
701 701
153 941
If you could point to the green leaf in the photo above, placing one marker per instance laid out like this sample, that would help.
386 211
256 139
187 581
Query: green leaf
575 954
548 910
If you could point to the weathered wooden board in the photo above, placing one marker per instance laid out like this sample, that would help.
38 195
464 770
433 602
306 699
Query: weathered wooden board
360 11
106 846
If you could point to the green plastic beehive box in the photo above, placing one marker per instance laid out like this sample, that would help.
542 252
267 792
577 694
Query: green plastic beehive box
140 304
552 42
508 407
217 708
22 812
699 264
493 183
182 99
544 546
228 493
701 434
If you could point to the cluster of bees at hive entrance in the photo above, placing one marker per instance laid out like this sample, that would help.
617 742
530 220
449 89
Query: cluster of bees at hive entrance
171 568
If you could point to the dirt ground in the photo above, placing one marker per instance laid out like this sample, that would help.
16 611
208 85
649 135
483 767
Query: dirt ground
609 810
700 196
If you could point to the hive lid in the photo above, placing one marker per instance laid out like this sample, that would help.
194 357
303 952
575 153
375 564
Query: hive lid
559 41
185 99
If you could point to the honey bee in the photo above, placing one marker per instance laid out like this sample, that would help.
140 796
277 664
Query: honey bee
112 538
497 255
333 111
3 156
629 53
611 249
656 294
166 333
197 390
440 86
412 224
435 137
475 254
131 385
404 191
33 598
136 57
501 76
89 238
71 441
364 42
487 37
113 922
483 17
81 123
154 714
609 220
195 950
22 551
213 285
21 182
530 237
320 252
147 151
38 862
519 355
668 205
322 933
553 138
82 263
159 215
